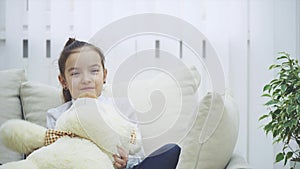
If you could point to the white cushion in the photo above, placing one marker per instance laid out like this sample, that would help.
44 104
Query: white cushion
10 107
211 141
237 161
36 99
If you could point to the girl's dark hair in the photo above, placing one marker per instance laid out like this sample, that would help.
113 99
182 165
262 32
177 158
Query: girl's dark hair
70 47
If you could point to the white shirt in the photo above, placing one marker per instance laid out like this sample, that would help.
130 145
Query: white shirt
54 113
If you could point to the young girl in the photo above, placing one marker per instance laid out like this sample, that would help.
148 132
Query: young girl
82 70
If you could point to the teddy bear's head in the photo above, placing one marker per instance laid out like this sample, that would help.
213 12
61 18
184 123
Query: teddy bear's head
100 123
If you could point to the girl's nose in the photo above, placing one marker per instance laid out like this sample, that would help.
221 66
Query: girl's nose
87 78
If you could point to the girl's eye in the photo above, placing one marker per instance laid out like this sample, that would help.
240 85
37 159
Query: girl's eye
95 71
74 73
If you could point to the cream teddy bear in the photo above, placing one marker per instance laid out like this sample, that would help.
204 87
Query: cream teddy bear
85 136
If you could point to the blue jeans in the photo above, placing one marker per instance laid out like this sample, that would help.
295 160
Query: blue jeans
165 157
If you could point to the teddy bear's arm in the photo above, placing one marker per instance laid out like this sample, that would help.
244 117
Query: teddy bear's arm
22 136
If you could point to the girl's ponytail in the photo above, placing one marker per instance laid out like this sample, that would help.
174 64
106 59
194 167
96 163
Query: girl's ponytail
67 95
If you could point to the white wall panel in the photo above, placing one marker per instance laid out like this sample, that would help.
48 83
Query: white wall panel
101 14
238 66
2 15
261 55
82 19
61 29
15 11
285 26
37 66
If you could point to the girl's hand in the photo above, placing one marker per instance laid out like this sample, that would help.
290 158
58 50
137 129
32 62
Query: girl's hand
120 161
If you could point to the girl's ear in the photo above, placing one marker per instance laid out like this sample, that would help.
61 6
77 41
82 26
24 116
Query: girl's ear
62 81
104 75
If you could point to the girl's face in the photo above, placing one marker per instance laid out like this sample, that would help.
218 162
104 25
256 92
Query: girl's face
83 73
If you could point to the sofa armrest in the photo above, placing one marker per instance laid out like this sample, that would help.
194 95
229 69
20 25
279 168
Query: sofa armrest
237 162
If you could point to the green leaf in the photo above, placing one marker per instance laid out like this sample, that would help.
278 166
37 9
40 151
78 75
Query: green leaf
275 133
282 53
268 128
275 82
288 156
277 111
279 157
283 88
274 66
282 57
294 123
266 87
263 117
298 142
271 102
267 95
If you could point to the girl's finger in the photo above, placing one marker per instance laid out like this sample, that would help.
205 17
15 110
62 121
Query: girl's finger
123 153
119 162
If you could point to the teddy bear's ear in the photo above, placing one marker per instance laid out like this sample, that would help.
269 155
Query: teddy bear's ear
88 95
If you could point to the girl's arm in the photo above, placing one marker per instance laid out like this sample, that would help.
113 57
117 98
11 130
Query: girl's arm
50 121
54 113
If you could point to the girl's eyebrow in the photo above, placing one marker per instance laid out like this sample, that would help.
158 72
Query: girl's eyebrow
72 68
95 65
75 68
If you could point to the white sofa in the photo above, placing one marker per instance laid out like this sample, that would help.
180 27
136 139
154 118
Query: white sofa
208 144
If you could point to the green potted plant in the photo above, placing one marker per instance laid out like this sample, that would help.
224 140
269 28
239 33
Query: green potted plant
283 93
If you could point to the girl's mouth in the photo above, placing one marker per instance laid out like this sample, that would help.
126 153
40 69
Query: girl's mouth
87 88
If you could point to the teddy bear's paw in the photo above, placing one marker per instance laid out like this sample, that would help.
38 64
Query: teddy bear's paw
22 136
24 164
